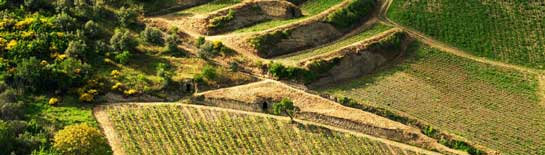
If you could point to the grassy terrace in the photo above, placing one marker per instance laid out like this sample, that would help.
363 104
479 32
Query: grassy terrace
495 107
178 129
309 8
295 58
210 7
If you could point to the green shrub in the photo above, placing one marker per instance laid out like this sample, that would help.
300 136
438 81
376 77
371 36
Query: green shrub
262 42
92 29
152 35
220 21
76 49
352 14
127 16
209 72
291 73
200 41
81 139
122 40
212 49
123 57
172 43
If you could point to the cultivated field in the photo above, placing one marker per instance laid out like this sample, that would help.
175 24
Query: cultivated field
184 129
508 30
494 107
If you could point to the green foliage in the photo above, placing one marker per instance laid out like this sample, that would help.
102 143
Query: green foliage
91 29
352 14
122 41
81 139
285 106
291 73
123 57
200 41
347 101
508 31
76 49
212 49
220 21
127 16
208 73
262 42
172 43
152 35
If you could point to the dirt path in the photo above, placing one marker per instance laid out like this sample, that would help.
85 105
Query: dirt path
455 51
109 131
116 146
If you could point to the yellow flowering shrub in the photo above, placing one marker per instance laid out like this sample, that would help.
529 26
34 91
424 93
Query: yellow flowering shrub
24 23
11 44
115 73
53 101
2 42
86 97
80 139
28 34
130 92
117 86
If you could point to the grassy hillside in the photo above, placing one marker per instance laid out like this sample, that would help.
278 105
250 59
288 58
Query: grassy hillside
507 30
177 129
495 107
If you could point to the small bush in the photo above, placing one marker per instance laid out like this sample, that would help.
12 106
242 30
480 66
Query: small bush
123 57
212 49
352 14
200 41
291 73
220 21
262 42
122 40
92 29
81 139
152 35
172 43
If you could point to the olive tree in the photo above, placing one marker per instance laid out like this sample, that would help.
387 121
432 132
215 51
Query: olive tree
285 106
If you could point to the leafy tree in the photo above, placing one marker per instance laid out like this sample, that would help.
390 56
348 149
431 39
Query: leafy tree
152 35
76 49
127 16
122 41
64 21
209 72
172 43
81 139
284 106
92 29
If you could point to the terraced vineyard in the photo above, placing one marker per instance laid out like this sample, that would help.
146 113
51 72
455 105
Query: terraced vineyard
309 8
295 58
508 30
183 129
496 107
209 7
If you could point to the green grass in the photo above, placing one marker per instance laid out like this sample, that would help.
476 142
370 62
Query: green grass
309 8
492 106
293 59
210 7
314 7
505 30
179 129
